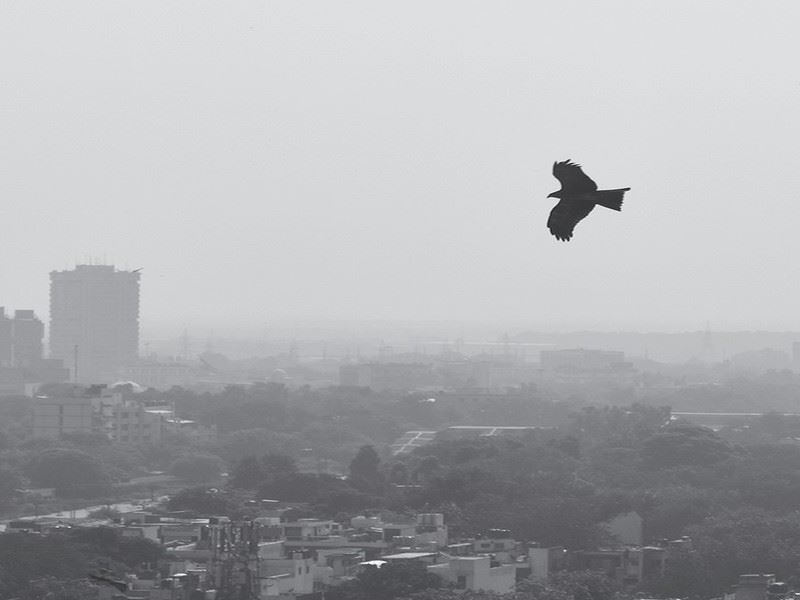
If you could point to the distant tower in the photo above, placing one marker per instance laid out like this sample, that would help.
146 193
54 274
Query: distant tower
96 309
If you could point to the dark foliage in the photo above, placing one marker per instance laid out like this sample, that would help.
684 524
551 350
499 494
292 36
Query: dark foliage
391 581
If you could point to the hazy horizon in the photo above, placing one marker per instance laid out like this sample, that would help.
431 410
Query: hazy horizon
271 162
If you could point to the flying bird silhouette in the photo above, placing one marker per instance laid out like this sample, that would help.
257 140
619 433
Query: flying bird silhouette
578 196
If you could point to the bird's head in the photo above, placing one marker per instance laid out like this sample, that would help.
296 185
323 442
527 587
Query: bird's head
555 194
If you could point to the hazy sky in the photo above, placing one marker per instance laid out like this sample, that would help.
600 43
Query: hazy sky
390 160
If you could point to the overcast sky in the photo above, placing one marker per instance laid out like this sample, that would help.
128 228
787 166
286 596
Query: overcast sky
391 160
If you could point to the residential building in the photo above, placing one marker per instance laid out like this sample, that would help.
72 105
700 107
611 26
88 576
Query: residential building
757 586
27 336
542 561
55 416
500 544
22 368
94 320
131 422
629 566
118 415
477 573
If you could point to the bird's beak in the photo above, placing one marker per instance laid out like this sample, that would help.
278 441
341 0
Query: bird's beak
553 195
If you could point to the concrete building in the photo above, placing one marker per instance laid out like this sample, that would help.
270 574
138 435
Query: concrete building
542 561
476 573
500 544
20 339
131 422
119 416
94 320
27 335
55 416
628 566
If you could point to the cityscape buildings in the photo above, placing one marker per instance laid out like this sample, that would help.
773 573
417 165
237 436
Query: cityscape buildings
94 320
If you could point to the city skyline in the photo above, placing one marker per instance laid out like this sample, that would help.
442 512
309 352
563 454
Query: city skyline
300 161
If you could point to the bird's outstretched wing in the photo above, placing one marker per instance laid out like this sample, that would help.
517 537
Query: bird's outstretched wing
565 215
573 179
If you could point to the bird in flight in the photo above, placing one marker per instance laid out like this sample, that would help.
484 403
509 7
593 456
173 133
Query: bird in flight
577 197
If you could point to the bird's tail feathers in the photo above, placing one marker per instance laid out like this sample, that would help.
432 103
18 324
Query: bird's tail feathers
611 198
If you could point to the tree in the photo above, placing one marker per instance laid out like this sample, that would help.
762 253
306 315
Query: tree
256 442
204 501
247 474
51 588
27 558
10 481
585 585
364 473
303 487
197 468
682 444
71 472
277 465
748 541
398 474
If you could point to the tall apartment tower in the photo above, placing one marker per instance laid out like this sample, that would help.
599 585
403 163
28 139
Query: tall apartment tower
20 339
94 320
28 333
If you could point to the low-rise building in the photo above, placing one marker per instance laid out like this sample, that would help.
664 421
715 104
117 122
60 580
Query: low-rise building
477 573
628 566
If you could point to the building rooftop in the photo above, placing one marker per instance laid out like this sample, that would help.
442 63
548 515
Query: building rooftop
409 555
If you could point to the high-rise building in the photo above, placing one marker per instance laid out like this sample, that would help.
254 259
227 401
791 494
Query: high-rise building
20 339
94 320
28 332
